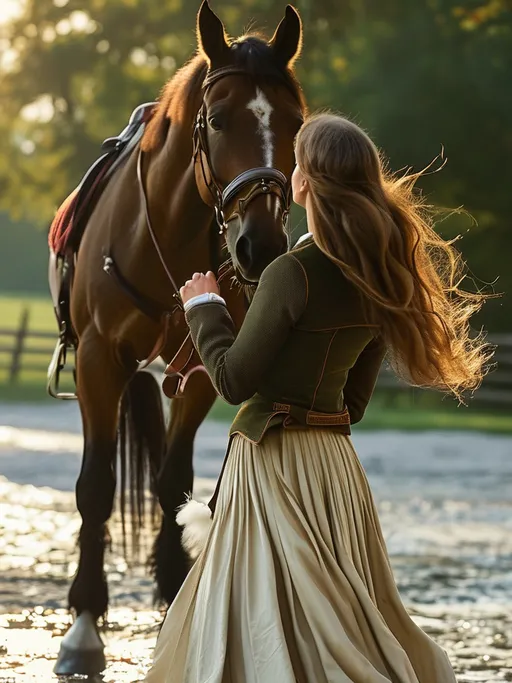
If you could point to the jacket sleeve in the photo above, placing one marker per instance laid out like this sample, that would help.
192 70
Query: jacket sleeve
235 364
362 378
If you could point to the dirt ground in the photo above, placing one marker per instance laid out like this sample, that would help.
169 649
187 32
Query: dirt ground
444 503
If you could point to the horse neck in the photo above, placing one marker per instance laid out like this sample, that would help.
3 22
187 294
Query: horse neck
178 214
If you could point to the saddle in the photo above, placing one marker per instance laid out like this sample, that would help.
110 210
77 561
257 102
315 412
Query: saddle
68 226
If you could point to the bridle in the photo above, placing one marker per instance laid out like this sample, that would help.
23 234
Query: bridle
257 181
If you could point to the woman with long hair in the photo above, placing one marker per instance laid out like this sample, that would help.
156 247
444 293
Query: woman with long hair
294 583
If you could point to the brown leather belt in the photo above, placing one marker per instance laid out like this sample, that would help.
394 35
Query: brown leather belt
315 418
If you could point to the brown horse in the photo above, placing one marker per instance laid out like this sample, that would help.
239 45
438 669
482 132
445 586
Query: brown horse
218 151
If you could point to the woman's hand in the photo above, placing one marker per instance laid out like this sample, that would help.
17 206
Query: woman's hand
199 284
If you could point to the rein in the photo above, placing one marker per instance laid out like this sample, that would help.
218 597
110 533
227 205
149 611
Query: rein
154 238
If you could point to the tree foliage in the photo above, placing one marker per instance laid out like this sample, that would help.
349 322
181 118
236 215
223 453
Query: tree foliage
419 75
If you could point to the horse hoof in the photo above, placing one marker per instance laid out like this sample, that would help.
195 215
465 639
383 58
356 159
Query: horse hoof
82 651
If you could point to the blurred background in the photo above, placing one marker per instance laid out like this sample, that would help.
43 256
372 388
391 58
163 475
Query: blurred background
422 77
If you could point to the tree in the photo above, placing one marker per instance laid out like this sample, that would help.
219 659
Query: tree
419 76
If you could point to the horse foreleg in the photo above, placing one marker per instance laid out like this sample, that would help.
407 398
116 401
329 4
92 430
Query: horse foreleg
100 383
175 481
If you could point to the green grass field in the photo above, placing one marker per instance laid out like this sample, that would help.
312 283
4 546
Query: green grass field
40 311
411 410
40 319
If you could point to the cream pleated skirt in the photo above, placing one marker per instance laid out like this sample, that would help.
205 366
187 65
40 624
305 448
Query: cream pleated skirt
294 584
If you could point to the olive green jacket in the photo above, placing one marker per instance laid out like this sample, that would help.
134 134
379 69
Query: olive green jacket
305 355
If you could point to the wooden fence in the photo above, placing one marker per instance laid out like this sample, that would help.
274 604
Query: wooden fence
27 352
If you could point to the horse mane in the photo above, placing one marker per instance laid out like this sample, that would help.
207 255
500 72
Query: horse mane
174 101
180 97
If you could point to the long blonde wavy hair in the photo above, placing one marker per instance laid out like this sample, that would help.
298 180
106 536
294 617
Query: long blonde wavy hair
380 233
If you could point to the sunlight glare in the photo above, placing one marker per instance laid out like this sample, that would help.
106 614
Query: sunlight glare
10 9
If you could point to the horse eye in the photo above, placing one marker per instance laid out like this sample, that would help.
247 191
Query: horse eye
214 122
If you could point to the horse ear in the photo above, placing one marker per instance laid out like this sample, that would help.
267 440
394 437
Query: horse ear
287 40
211 36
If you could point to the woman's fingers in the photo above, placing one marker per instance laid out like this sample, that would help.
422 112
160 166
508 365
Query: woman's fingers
199 284
212 284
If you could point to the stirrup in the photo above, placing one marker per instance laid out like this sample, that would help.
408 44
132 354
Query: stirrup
57 364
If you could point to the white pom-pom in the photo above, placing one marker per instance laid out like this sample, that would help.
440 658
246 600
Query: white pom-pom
196 520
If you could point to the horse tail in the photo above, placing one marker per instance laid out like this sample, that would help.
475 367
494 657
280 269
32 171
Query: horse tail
141 450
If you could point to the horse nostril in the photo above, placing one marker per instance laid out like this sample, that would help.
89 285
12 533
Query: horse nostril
244 251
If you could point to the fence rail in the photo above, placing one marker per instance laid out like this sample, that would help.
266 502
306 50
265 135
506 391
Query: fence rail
23 349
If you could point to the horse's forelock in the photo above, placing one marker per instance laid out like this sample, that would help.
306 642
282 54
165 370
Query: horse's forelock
254 54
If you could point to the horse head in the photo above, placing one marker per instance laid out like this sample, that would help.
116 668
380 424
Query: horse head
251 110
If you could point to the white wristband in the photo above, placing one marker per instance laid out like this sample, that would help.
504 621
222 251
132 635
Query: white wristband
206 298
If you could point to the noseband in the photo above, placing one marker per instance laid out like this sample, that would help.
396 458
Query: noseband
256 181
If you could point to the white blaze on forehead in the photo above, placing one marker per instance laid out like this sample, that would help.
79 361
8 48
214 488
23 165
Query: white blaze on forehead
262 109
